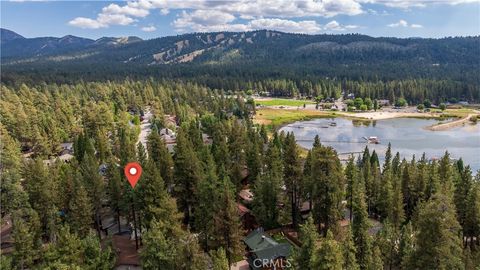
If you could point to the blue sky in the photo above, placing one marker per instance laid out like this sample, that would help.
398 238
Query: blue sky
156 18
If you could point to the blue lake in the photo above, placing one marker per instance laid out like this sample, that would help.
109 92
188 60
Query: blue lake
408 136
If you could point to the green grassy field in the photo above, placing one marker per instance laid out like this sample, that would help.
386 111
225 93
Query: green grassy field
274 118
282 102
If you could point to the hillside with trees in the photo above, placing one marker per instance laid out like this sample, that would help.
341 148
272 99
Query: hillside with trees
438 69
407 213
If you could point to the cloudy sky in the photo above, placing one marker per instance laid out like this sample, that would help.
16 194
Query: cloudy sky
155 18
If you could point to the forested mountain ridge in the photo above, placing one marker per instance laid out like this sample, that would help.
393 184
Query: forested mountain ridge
15 46
250 55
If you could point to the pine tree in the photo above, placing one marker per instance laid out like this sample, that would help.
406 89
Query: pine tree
24 244
360 226
154 202
42 196
329 255
219 259
189 256
67 249
12 197
385 195
159 251
227 223
388 158
328 183
351 172
254 155
188 175
292 176
141 154
116 191
237 148
387 241
94 183
438 244
463 187
307 180
266 190
376 262
396 213
208 203
349 251
472 214
96 258
157 150
405 249
308 237
80 211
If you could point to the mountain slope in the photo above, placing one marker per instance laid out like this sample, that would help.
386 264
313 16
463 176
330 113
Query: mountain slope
251 54
7 35
15 46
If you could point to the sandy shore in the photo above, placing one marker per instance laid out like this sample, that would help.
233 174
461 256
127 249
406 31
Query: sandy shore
380 115
389 115
451 124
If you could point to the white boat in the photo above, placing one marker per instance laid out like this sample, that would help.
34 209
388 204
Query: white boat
372 139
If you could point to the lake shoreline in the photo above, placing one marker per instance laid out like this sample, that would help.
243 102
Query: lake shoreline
407 136
276 122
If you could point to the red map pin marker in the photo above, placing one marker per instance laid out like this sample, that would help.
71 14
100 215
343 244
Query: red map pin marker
133 171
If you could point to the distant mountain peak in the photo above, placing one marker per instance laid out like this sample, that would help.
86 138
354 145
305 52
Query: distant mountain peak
8 35
117 40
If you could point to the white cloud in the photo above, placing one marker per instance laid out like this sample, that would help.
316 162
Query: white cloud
206 15
403 23
82 22
206 21
164 11
114 19
305 27
351 26
406 4
129 10
335 26
227 10
150 28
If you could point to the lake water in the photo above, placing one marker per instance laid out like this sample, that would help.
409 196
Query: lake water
407 136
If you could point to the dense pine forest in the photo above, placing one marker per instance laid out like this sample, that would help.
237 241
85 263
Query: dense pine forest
284 64
406 213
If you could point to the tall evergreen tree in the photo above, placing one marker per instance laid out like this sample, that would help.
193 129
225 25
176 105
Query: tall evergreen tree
188 174
292 176
360 226
227 224
158 251
80 210
219 259
158 152
438 244
24 244
349 252
93 182
308 237
328 183
329 254
266 190
351 173
472 214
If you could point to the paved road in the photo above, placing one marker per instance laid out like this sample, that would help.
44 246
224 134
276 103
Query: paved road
145 128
